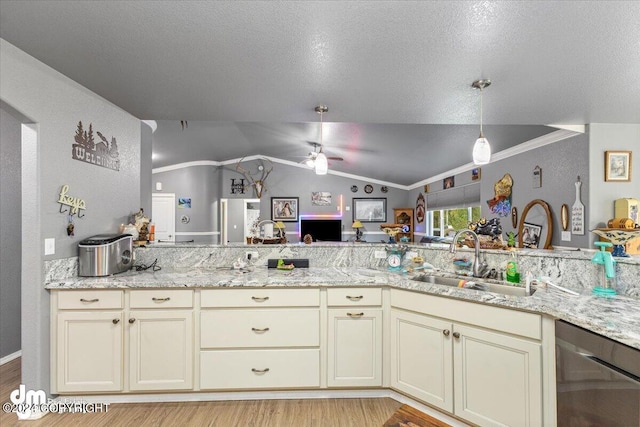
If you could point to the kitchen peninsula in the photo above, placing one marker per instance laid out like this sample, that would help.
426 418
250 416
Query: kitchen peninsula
344 324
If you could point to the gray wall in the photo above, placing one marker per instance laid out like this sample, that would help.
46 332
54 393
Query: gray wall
235 215
608 137
10 231
200 183
146 147
56 104
561 163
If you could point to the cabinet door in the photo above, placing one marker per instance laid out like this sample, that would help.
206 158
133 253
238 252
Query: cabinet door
161 350
497 378
421 358
89 351
355 348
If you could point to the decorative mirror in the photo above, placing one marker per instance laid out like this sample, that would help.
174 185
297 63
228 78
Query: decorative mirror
536 226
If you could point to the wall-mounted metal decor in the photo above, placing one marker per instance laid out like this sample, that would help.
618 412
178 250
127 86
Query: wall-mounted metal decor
102 153
237 187
75 204
501 202
420 208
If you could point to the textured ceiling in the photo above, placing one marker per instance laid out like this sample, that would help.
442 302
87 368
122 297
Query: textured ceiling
386 63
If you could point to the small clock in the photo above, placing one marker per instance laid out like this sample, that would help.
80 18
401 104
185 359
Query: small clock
368 188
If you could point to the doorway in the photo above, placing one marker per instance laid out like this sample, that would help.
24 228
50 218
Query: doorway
163 206
236 219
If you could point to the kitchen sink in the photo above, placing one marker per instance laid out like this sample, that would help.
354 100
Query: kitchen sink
479 286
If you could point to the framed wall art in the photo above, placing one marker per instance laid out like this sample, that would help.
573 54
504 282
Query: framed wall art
617 166
370 210
284 209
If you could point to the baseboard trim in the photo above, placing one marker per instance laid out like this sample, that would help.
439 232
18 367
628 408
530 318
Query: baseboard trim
9 357
268 395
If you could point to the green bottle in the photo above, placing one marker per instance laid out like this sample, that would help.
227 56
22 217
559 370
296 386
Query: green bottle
512 270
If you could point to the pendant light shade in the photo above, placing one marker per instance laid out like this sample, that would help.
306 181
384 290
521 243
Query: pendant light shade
482 148
481 151
321 164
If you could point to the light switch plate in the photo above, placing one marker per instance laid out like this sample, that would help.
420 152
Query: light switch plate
566 236
380 254
50 246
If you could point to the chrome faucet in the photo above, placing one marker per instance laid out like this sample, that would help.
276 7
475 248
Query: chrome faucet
477 267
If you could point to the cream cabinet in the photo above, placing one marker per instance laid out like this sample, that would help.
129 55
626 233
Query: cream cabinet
98 336
87 338
259 339
481 363
354 337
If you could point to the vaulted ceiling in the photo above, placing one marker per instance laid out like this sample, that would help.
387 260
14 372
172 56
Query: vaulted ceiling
395 75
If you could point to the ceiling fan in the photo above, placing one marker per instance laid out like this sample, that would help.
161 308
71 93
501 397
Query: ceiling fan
317 159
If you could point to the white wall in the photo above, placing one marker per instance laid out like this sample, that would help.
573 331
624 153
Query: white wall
56 104
608 137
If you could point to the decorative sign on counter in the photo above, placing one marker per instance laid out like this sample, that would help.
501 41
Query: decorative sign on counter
577 212
102 153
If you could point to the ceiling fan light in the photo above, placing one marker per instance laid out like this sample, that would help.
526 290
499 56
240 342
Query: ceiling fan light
481 151
321 164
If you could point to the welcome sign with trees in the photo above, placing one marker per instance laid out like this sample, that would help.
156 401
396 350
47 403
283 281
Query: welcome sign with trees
102 153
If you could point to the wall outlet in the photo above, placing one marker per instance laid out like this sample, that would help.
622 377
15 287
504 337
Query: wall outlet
251 255
379 254
50 246
566 236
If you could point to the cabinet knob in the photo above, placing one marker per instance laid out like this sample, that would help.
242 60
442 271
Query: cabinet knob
258 330
355 314
116 321
446 332
352 298
259 299
259 371
456 334
132 320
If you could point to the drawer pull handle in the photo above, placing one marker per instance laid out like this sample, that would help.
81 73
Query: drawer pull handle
89 300
456 334
259 330
116 321
259 299
160 299
259 371
355 314
446 332
132 320
358 298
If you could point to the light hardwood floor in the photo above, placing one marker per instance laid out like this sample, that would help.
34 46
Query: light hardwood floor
257 413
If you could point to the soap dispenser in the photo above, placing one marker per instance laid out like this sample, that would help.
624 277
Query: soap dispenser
605 259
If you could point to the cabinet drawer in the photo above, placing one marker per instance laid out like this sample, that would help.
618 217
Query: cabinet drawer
260 298
260 328
161 298
354 296
89 299
252 369
500 319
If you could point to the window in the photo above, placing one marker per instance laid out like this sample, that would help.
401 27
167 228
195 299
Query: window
442 222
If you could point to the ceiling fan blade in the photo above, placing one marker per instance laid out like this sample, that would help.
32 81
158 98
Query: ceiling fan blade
339 159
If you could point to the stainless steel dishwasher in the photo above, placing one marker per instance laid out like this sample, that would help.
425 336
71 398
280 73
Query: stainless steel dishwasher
597 380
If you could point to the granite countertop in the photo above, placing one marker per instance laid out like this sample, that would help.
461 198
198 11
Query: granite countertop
617 318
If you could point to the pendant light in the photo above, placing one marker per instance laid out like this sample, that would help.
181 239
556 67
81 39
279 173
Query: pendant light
321 163
481 149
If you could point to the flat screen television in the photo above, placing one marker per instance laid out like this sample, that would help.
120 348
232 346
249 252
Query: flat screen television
322 230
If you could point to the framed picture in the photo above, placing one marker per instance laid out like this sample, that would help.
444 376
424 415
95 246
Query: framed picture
531 235
617 165
284 209
370 210
184 202
321 198
448 182
475 174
